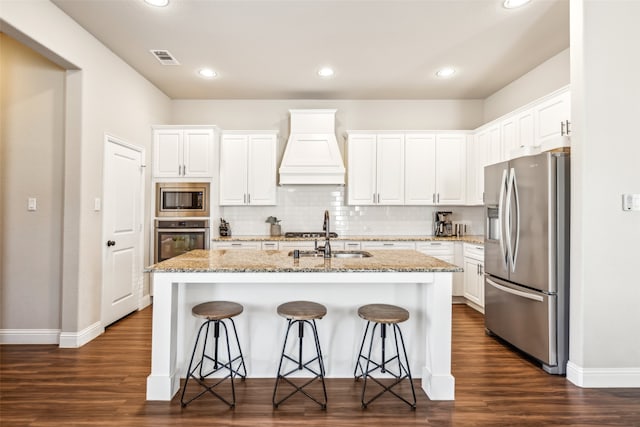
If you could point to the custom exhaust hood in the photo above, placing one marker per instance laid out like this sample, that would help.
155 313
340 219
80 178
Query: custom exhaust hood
312 155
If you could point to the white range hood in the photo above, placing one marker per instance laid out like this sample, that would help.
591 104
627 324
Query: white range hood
312 155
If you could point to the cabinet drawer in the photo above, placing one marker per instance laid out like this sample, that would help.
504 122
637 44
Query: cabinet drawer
388 245
269 246
474 251
436 248
236 245
297 244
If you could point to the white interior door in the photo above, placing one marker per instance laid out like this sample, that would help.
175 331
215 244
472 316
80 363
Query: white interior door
123 202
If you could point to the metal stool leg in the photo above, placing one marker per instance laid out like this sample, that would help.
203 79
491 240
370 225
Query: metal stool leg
217 364
300 365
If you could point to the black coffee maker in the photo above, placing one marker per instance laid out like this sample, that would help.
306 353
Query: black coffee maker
443 223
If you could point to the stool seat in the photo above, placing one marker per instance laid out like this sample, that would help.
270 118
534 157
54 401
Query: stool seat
217 310
302 310
383 313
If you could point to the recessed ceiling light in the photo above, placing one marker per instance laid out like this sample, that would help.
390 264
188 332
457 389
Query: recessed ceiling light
512 4
207 73
326 72
445 72
157 3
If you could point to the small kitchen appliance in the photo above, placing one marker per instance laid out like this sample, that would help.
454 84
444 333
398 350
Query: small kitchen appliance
443 223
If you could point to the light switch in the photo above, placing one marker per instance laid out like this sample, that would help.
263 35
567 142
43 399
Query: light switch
631 202
32 204
97 204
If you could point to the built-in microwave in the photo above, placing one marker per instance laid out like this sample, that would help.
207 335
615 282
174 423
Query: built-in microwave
182 199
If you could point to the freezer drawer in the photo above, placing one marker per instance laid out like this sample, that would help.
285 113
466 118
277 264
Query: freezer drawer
524 318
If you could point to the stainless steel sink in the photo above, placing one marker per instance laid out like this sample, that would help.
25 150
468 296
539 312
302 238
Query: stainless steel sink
334 254
350 254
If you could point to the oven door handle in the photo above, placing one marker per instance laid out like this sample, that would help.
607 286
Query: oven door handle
181 230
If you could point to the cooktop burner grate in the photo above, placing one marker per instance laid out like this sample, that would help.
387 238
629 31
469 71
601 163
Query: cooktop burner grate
309 234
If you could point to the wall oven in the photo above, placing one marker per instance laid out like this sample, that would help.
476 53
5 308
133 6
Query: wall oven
176 237
182 199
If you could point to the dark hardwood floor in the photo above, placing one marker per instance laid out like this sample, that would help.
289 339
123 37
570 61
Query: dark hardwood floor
103 384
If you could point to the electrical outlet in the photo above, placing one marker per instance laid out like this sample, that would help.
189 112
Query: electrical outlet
631 202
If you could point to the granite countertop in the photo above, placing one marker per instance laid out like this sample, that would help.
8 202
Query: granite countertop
255 261
479 240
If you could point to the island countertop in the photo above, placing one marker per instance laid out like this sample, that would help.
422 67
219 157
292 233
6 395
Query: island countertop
256 261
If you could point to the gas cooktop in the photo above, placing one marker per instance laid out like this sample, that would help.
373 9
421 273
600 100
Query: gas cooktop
309 234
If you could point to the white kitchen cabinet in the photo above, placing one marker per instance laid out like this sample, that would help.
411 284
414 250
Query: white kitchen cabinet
552 121
296 244
373 245
476 161
248 169
517 131
491 139
444 251
435 169
269 246
474 275
181 152
375 173
236 245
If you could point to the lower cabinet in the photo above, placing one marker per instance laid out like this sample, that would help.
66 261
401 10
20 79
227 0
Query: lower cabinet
446 251
474 275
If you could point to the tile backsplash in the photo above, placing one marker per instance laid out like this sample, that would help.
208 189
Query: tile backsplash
301 208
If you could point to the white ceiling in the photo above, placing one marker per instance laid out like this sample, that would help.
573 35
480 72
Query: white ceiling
380 49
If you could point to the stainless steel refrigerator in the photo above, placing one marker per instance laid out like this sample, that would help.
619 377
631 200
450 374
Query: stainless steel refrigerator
527 256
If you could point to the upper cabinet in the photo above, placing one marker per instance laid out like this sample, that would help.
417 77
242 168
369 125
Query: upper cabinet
411 168
552 121
476 161
375 171
183 152
248 168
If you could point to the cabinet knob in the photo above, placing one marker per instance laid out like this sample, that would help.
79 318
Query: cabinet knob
110 243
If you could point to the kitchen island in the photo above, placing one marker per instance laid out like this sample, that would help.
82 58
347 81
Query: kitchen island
261 280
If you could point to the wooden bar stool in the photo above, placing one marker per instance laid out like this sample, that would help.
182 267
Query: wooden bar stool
383 315
301 313
215 312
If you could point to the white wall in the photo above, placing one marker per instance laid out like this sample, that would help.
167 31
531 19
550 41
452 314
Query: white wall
542 80
605 320
31 165
104 96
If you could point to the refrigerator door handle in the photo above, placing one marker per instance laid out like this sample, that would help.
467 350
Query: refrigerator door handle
516 292
512 192
501 219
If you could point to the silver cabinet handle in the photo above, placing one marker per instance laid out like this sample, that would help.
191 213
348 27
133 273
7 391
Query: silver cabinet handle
567 127
434 197
374 197
244 198
236 244
438 201
249 198
435 244
561 128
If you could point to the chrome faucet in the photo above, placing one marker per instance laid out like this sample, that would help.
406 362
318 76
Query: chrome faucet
327 234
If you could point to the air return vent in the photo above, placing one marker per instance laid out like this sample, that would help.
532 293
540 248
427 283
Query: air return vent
165 57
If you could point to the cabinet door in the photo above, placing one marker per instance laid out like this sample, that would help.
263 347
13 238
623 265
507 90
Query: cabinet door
390 169
549 116
450 169
476 159
198 152
233 170
525 128
261 180
167 153
472 284
420 169
494 145
361 170
509 133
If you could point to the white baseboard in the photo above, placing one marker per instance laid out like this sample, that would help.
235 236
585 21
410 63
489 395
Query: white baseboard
78 339
29 336
603 377
145 302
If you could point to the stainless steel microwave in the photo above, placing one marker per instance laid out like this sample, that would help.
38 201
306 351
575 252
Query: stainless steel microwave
182 199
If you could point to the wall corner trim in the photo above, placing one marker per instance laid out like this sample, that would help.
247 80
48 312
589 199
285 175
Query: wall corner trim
78 339
603 377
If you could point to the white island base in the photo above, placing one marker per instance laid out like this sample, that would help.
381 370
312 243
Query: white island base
427 333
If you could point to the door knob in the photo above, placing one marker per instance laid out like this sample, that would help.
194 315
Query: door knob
111 243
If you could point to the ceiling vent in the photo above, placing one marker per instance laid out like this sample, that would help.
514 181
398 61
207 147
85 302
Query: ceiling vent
164 56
